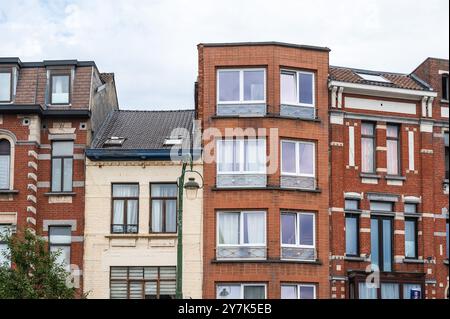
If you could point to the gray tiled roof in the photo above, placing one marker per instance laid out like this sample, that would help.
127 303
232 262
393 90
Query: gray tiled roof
143 130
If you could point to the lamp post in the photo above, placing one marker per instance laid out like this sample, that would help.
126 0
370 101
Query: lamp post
192 188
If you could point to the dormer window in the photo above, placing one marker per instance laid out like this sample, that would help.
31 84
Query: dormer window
114 141
60 88
5 85
171 141
373 77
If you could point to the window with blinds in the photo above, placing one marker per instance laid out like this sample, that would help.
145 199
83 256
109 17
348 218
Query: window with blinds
143 282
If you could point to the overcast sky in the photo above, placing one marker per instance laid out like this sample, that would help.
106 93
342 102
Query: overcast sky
151 45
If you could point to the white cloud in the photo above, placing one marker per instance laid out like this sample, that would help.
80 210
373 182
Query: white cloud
151 45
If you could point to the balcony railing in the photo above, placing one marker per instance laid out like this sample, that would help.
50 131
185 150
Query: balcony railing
241 252
298 253
124 228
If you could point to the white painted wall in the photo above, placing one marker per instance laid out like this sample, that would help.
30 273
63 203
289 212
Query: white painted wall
380 105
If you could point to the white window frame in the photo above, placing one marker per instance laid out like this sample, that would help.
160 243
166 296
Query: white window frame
241 161
241 229
242 286
297 93
241 86
297 157
297 230
298 288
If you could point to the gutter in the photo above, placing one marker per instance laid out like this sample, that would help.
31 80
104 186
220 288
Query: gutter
97 154
37 109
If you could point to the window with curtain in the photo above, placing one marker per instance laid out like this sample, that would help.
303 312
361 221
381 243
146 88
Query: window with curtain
446 143
381 234
368 147
241 156
390 291
143 282
163 208
62 166
241 228
393 149
297 88
60 240
5 85
241 86
411 238
125 205
241 291
5 230
297 158
5 164
412 291
352 235
367 291
60 89
300 291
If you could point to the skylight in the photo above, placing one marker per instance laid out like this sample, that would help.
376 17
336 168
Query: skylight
114 141
373 77
177 140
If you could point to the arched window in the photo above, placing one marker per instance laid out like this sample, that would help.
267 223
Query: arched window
5 163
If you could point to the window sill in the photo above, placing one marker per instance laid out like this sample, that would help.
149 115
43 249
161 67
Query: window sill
267 188
413 261
355 259
134 235
60 194
444 101
368 175
395 177
267 116
446 262
267 261
8 191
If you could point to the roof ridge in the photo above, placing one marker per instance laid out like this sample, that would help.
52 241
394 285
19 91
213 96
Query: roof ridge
366 70
154 111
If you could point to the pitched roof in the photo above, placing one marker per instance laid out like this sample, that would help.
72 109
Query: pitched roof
396 80
144 130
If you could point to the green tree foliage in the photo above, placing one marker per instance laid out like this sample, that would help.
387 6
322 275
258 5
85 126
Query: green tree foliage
34 272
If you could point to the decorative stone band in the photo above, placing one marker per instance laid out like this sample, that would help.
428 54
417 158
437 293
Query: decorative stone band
426 151
298 182
241 180
338 144
297 111
382 197
364 230
241 109
353 195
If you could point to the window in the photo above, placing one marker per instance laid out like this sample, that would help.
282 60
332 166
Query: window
368 147
143 282
125 205
393 149
241 86
412 291
297 88
5 85
5 164
60 239
446 143
5 230
241 235
410 208
367 291
289 291
62 166
298 236
411 238
241 156
381 206
298 158
373 77
352 204
241 291
381 242
163 208
445 87
390 291
352 235
60 89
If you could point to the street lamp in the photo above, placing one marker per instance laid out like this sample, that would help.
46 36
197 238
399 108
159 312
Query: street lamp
192 188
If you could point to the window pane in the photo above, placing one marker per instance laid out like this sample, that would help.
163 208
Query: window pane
228 152
306 229
119 290
306 158
56 174
5 147
60 235
171 216
387 245
351 236
366 291
229 228
412 291
351 204
367 155
4 171
254 155
254 292
68 171
411 208
392 131
157 215
288 157
5 86
374 245
288 228
125 190
3 254
288 292
254 228
410 239
64 148
228 292
392 157
254 85
390 291
288 88
60 89
367 129
228 86
63 257
118 216
307 292
381 206
132 213
305 88
164 190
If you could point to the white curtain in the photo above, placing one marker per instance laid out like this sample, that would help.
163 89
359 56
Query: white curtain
228 155
229 228
118 212
228 292
289 88
125 190
4 171
171 216
164 190
366 292
157 209
407 290
289 292
390 291
367 155
392 157
254 228
132 212
255 155
254 292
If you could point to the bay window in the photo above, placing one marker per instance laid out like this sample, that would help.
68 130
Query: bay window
5 164
241 291
60 239
164 208
59 88
297 164
393 149
298 236
241 235
298 291
411 246
62 166
5 86
125 202
297 93
368 147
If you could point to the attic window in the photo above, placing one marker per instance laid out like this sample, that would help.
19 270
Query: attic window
114 141
177 140
373 77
